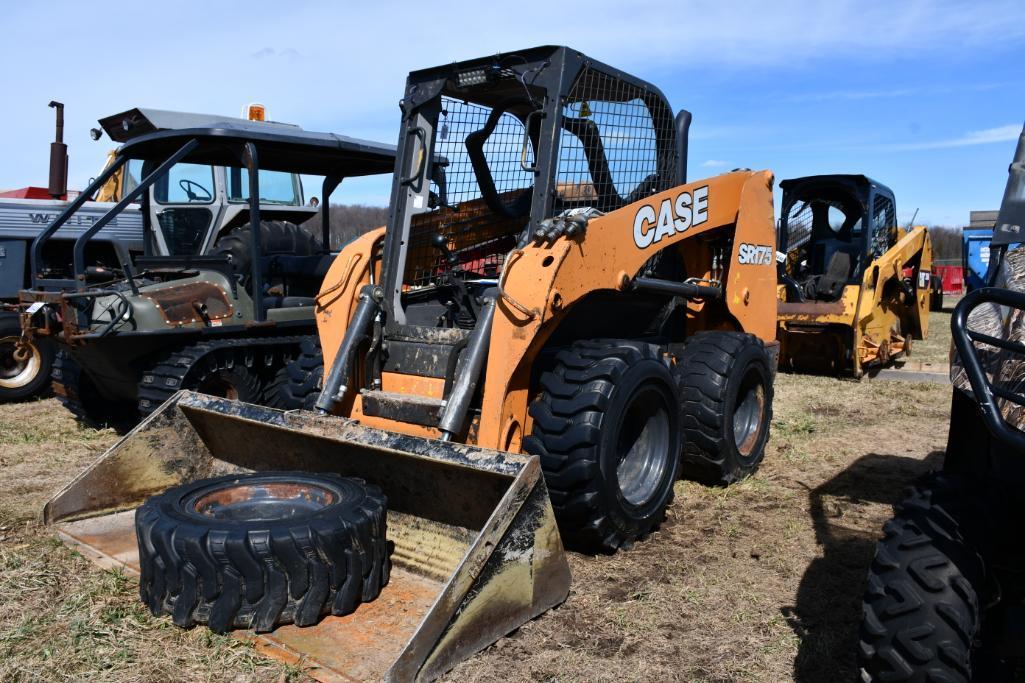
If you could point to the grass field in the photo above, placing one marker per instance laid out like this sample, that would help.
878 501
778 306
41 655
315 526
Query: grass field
760 581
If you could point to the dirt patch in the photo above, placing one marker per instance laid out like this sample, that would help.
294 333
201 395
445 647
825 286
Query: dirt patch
759 581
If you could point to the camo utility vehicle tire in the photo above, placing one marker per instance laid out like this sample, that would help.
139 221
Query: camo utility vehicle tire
607 430
225 371
725 385
276 237
921 612
258 550
24 366
298 384
77 392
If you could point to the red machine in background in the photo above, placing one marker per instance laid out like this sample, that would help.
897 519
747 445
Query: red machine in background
952 277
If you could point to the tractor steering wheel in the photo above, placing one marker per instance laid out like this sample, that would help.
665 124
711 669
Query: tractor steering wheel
204 194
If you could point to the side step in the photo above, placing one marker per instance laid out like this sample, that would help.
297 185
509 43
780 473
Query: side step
420 410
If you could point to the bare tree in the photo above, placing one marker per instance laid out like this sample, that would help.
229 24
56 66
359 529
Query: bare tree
349 221
946 243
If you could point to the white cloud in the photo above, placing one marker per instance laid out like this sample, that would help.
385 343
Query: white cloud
890 93
715 163
986 136
333 75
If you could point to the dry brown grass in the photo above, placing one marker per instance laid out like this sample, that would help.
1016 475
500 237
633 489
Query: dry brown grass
761 581
935 350
62 618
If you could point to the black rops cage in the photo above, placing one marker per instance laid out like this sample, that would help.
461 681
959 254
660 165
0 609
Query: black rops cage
491 147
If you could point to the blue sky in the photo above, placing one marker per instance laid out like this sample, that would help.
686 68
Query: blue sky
925 96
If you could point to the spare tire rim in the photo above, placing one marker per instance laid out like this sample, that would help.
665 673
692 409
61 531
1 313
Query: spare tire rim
642 446
749 413
262 502
15 373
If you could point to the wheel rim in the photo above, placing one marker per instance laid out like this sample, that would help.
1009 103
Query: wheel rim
749 413
15 373
642 446
262 502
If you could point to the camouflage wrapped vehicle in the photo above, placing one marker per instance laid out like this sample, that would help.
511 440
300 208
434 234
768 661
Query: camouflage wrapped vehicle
946 591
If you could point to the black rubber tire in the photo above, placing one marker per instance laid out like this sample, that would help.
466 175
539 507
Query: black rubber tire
297 385
77 392
277 237
15 384
579 418
262 569
226 371
935 295
921 611
714 372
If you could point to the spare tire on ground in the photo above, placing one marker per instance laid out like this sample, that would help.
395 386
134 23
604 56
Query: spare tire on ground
258 550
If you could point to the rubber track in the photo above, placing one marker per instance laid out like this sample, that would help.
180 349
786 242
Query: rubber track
702 372
169 375
921 607
84 402
286 571
298 384
66 377
567 430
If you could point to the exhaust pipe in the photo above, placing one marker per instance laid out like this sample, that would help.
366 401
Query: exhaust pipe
683 119
58 186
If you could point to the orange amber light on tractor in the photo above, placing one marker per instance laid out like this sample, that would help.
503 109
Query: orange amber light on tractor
256 112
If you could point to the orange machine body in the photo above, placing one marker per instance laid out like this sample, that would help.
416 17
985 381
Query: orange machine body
542 283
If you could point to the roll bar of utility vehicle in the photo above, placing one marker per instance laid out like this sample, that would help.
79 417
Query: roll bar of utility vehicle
986 390
254 146
1010 225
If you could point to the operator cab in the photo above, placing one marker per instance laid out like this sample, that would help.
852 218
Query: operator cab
490 148
832 227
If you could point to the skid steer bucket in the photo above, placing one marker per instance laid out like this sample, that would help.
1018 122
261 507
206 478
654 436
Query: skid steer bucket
476 548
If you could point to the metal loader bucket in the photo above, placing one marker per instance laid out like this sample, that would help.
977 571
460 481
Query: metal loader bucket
477 551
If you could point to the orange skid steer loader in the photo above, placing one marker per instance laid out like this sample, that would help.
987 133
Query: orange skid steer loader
553 323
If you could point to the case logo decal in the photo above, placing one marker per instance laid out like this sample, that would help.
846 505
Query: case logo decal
673 216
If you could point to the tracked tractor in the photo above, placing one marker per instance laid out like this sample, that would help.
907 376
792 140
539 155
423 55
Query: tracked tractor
212 304
854 288
552 325
946 590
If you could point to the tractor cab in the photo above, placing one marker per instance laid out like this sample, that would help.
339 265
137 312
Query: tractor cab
831 228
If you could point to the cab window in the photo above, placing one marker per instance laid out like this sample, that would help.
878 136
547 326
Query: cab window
186 184
884 225
276 187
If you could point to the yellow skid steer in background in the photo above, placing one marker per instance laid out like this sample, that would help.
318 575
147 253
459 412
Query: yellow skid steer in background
853 287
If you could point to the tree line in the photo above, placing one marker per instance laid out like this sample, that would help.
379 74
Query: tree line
349 221
946 243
